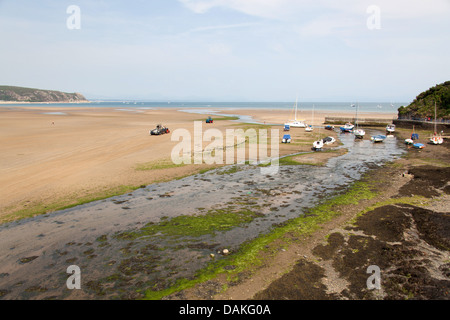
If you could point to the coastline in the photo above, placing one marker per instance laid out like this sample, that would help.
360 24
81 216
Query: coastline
43 102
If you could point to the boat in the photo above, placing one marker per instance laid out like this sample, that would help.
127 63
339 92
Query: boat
309 128
296 123
390 128
328 140
414 136
348 127
286 138
359 133
418 145
317 145
378 138
436 138
328 127
287 127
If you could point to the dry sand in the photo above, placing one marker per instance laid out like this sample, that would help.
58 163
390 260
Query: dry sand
51 154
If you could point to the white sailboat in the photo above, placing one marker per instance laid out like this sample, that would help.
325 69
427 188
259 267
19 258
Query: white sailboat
390 128
318 144
359 133
295 123
436 138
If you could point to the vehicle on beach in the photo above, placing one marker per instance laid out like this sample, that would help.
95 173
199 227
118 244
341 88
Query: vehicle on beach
328 127
378 138
286 138
160 129
390 128
287 127
209 120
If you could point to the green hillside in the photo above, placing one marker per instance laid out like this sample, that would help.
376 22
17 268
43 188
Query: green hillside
423 105
22 94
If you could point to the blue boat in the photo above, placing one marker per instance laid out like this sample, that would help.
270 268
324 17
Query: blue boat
378 138
418 145
286 138
348 127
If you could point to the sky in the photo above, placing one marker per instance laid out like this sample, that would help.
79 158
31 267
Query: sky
227 50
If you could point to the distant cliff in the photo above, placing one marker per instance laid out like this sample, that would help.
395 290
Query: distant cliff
423 105
21 94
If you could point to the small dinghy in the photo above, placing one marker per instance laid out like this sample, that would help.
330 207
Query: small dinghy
390 128
378 138
348 127
317 145
286 138
328 140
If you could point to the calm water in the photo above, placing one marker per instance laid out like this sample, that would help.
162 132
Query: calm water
384 107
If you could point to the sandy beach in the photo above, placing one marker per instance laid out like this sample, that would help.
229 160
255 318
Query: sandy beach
51 155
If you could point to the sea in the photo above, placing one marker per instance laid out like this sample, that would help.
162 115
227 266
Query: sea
376 107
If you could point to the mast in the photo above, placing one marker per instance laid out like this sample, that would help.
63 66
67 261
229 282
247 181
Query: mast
295 117
435 130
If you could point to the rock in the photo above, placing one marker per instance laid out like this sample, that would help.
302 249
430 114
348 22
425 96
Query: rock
225 251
